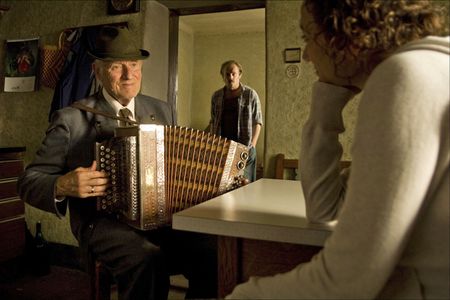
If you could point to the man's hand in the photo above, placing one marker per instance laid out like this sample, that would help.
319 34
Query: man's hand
82 183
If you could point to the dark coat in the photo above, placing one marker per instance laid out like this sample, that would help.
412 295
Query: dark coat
70 143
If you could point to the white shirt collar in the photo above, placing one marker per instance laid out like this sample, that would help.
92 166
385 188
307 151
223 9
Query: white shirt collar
116 104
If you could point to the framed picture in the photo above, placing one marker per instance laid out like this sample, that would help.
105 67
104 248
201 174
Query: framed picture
21 65
117 7
292 55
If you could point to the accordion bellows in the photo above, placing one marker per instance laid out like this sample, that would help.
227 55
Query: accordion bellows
157 170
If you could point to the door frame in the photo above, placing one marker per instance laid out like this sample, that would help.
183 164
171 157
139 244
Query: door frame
184 8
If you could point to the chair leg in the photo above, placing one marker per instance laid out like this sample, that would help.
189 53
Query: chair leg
100 283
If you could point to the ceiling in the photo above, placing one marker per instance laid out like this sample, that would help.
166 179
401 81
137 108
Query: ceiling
250 20
189 7
218 16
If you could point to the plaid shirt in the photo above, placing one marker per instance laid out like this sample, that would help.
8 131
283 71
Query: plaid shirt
249 113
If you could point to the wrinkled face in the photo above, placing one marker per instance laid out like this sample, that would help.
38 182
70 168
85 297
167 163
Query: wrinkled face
121 79
232 77
342 70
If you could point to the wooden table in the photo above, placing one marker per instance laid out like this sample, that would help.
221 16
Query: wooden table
262 229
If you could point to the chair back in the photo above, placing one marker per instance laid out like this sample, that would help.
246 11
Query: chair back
288 168
283 164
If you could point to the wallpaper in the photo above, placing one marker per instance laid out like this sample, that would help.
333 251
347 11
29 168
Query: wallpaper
24 116
288 99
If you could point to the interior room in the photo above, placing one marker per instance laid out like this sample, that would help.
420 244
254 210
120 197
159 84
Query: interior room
206 33
188 41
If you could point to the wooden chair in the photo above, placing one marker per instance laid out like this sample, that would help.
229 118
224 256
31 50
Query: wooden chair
281 164
101 281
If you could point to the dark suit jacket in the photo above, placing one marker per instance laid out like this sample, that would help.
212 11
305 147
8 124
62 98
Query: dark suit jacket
70 143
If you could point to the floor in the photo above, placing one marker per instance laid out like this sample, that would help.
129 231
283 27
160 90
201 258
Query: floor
61 283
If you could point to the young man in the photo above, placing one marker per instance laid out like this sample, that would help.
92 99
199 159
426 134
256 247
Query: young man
236 113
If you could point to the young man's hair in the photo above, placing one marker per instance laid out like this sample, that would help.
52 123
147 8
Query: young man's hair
228 63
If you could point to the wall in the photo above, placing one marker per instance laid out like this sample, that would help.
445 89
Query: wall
23 116
288 99
155 26
185 74
209 52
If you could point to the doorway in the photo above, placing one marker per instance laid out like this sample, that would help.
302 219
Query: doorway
205 41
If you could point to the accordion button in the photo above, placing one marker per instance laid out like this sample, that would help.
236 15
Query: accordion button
102 147
240 165
244 155
107 156
107 150
113 152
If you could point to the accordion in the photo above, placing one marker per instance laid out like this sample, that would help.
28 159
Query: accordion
157 170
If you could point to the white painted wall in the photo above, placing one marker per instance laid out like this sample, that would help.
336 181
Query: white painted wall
199 68
185 73
155 28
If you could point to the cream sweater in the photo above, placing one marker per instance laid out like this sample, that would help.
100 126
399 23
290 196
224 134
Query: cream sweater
392 236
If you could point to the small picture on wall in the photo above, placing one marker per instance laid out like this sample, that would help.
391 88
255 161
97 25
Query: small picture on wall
117 7
292 55
21 65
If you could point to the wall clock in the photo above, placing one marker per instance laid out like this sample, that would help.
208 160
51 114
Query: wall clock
117 7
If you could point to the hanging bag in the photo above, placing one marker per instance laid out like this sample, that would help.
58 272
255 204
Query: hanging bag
52 60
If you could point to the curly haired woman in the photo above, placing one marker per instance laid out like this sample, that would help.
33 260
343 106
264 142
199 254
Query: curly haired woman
391 240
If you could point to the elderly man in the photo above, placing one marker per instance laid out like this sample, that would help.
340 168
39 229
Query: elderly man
64 173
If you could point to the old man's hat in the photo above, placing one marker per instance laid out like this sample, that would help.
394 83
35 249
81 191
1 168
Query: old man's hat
116 43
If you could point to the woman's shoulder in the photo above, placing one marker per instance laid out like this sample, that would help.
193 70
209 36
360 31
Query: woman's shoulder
419 57
410 81
413 67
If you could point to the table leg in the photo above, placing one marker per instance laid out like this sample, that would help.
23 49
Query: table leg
228 265
239 259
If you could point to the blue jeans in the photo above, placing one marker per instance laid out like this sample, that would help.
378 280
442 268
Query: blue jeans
250 168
